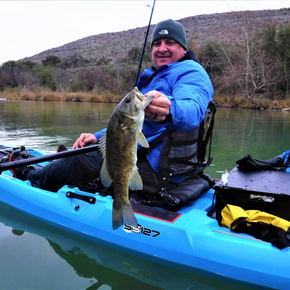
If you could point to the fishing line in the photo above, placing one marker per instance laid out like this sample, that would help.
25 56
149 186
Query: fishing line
144 46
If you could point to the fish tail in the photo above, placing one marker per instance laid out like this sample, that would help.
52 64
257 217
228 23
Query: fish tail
123 215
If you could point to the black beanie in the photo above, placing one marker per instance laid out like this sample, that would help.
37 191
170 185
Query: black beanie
170 29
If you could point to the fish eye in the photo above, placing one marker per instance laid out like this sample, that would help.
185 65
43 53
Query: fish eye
127 100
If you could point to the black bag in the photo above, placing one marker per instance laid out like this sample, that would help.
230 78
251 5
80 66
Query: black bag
249 163
264 190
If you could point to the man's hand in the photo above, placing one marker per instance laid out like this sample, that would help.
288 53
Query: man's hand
159 107
84 139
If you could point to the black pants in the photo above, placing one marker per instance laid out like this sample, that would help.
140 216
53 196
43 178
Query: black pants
79 169
72 171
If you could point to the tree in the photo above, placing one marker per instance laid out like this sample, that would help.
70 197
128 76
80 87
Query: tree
134 54
213 59
14 74
28 65
283 45
73 61
88 78
46 76
3 80
11 71
251 69
75 85
28 80
51 60
276 45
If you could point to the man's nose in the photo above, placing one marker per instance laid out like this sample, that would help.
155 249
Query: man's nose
163 46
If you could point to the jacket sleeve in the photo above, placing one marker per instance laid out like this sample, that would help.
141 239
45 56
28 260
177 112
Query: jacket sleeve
99 134
191 91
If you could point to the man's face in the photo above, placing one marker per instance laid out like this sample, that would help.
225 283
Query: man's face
165 51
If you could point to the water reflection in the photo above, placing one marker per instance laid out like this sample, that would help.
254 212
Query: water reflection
262 134
83 264
31 139
45 125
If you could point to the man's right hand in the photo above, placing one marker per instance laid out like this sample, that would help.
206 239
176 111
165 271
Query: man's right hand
84 139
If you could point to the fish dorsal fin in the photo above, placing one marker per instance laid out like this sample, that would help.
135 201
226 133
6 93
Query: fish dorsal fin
136 180
102 144
142 140
104 175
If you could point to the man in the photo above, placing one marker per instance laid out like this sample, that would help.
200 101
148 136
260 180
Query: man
182 91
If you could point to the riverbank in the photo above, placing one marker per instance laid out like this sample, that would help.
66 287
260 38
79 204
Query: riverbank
108 97
49 96
257 104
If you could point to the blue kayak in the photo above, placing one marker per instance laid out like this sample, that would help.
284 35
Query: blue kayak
189 240
101 265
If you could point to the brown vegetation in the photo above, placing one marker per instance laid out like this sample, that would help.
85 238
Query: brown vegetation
242 102
50 96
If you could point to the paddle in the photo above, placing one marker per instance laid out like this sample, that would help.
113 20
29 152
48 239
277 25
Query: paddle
48 157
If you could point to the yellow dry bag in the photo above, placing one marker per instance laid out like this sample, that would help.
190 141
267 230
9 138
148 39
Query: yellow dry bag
259 224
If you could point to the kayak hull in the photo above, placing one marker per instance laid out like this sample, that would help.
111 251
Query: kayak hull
193 241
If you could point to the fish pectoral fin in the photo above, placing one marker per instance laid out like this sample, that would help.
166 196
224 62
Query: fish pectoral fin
136 182
104 175
102 145
142 140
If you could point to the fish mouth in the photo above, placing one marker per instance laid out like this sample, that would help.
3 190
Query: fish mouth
129 116
139 95
145 101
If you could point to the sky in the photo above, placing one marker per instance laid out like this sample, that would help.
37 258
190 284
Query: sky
30 27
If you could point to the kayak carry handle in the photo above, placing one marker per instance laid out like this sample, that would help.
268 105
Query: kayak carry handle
89 199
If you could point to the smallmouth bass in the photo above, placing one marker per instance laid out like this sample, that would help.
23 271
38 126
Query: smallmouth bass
119 151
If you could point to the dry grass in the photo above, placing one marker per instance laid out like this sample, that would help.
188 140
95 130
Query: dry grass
108 97
261 104
49 96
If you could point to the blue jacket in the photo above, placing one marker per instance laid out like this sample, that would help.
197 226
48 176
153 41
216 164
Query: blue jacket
189 89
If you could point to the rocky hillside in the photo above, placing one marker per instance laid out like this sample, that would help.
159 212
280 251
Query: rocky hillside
199 29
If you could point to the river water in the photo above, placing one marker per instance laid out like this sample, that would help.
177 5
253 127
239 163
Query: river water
34 255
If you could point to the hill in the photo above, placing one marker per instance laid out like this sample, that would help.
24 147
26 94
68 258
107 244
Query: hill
200 29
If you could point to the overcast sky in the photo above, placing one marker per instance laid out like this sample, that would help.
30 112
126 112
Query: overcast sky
30 27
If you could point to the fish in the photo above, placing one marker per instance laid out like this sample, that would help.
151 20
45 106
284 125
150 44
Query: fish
119 146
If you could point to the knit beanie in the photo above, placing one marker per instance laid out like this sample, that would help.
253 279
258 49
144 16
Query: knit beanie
170 29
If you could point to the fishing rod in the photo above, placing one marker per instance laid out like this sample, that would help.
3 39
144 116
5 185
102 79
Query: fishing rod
144 46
